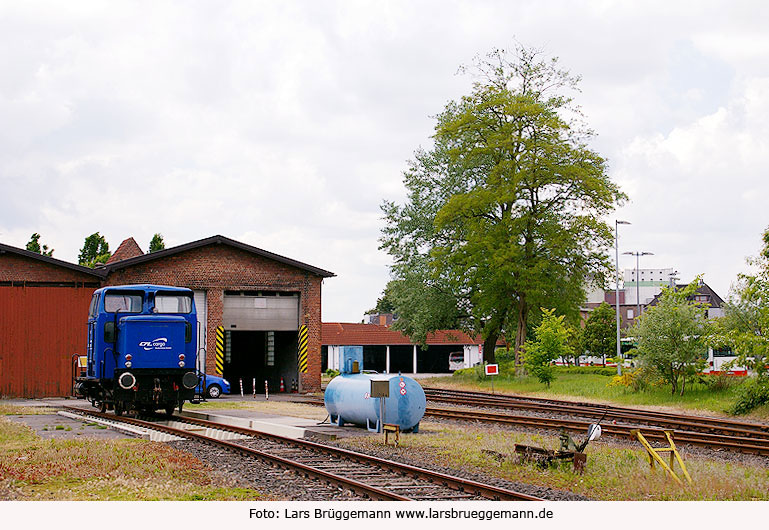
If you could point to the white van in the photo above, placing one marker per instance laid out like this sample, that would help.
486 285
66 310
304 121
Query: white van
456 360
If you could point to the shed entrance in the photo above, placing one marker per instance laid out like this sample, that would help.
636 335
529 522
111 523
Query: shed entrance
261 339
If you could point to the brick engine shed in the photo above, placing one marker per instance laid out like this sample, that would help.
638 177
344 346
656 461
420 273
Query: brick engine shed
260 301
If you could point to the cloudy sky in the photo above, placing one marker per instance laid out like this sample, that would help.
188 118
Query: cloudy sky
285 124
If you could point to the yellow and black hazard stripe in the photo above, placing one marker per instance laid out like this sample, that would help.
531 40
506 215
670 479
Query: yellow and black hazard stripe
303 349
220 350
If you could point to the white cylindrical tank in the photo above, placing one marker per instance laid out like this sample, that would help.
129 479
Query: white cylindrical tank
348 400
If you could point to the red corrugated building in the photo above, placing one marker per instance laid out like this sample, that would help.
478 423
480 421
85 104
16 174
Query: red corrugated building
43 307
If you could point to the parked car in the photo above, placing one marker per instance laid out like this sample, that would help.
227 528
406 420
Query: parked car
215 386
456 360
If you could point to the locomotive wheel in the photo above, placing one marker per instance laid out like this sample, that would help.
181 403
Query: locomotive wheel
118 409
170 410
103 407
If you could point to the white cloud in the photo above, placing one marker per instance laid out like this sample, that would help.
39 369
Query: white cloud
285 124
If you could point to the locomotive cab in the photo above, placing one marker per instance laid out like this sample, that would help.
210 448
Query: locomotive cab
141 350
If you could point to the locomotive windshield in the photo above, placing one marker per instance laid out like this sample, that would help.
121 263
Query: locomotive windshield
173 303
123 302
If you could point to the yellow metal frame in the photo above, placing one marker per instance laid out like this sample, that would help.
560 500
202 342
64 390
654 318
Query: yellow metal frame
654 454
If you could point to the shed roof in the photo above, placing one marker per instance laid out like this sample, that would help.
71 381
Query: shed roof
353 334
216 240
52 261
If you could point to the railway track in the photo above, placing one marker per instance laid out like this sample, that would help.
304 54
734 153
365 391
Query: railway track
715 433
367 476
608 412
712 433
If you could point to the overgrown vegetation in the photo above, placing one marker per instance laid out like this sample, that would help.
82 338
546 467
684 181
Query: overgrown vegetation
745 328
593 384
753 393
85 469
614 472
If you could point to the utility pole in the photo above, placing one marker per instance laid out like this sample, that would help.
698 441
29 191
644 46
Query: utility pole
616 289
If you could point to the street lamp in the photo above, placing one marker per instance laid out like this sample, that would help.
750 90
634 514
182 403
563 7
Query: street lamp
616 291
637 279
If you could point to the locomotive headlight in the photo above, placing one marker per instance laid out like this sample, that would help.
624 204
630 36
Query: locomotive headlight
126 381
128 364
181 356
128 356
181 364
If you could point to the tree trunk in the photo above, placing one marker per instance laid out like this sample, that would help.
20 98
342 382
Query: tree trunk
673 381
683 384
520 334
490 346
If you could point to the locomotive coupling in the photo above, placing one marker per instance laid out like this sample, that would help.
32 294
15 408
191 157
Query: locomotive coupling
190 380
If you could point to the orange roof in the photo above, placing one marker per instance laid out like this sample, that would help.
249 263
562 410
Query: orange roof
127 249
348 334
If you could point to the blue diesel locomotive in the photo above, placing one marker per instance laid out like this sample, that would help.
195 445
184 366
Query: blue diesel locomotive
141 349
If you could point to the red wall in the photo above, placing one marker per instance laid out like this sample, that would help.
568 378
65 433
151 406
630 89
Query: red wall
41 328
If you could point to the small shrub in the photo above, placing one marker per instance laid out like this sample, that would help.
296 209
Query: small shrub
332 373
637 380
752 393
504 355
718 382
463 372
599 370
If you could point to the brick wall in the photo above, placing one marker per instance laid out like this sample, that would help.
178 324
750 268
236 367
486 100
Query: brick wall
216 268
16 268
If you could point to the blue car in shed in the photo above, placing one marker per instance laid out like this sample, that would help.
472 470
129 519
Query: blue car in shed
215 386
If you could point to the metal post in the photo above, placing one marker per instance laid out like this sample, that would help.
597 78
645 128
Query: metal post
637 278
616 291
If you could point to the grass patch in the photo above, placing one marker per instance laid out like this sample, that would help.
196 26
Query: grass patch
84 469
613 472
18 410
594 387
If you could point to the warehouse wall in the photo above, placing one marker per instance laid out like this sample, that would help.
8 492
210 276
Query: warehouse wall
43 313
219 268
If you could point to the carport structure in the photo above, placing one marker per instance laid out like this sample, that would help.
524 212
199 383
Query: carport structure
390 351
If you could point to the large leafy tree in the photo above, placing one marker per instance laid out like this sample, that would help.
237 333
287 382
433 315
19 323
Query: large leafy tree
673 336
95 250
34 246
503 214
599 335
745 326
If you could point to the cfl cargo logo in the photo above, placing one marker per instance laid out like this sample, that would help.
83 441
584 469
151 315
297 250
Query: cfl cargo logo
160 343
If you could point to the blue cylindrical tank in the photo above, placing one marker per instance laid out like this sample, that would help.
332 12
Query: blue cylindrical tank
348 400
